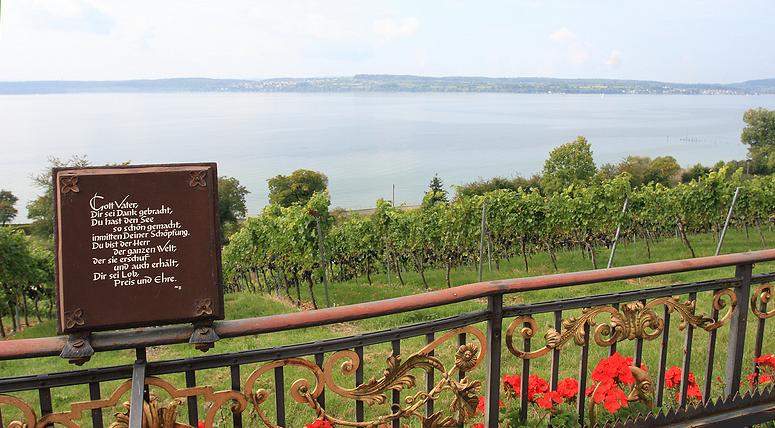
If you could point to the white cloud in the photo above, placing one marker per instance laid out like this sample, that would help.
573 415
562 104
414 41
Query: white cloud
390 28
614 59
563 35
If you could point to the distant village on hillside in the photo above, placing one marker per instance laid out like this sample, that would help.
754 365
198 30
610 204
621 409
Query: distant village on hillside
395 83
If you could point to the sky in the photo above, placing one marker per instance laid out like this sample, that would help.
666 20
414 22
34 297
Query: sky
669 40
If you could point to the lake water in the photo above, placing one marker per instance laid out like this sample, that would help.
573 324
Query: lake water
365 143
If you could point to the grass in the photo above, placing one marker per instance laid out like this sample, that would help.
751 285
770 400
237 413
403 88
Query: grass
241 305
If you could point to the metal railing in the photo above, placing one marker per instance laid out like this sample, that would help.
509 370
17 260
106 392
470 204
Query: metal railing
474 366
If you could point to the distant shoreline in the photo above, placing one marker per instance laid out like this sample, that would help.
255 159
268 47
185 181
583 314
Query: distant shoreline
391 84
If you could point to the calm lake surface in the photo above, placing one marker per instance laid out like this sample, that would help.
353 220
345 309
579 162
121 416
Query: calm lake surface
365 143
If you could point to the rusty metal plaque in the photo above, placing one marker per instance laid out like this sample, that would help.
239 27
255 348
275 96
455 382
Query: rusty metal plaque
137 246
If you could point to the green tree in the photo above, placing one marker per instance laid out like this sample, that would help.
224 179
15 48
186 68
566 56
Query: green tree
569 164
297 188
664 170
637 167
435 193
40 210
7 208
231 204
15 269
694 172
759 136
481 186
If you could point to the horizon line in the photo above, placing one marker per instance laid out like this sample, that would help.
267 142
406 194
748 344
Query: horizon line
259 79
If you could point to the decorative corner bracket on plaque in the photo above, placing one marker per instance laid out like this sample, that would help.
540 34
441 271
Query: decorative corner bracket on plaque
68 184
204 336
197 179
74 318
203 307
77 349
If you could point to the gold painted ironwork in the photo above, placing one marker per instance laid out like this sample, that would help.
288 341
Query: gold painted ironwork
634 320
399 375
28 414
762 295
156 413
642 391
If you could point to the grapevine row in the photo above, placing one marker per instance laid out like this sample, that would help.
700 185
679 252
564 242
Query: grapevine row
278 251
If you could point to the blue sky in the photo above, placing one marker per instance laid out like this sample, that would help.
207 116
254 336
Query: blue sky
679 41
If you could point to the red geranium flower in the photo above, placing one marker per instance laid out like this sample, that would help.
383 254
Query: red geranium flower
614 368
512 381
200 424
673 380
479 425
673 377
693 391
615 399
568 388
548 399
319 423
536 385
767 360
753 378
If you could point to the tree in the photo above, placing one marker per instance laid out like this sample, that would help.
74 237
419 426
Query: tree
296 188
7 209
694 172
481 186
435 193
231 204
41 209
664 170
759 136
570 163
637 167
15 267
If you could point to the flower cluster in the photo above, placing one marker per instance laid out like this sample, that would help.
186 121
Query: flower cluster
609 376
536 385
538 390
673 381
765 370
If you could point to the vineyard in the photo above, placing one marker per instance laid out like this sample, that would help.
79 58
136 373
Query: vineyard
279 250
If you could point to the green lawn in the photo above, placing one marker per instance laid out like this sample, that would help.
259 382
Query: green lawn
240 305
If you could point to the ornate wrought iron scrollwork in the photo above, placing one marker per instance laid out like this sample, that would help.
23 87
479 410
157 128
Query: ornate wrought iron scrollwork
27 413
762 295
634 320
397 376
157 413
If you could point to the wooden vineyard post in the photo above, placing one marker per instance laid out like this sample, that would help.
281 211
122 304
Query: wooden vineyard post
481 243
322 259
726 222
616 236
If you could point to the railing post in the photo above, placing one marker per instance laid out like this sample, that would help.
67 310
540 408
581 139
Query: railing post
494 326
737 327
